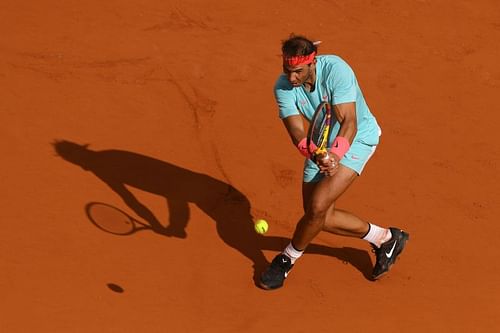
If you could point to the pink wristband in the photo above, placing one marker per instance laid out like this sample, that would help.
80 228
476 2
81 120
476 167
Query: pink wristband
340 146
302 146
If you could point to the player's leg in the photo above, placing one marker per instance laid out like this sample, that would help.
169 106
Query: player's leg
319 196
387 243
338 221
319 203
322 198
344 223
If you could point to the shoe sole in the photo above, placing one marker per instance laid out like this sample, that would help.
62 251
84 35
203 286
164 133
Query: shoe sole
405 238
266 287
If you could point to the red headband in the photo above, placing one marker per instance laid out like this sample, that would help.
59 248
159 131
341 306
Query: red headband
299 60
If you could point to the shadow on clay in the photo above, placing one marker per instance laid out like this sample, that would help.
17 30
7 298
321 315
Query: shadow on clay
228 207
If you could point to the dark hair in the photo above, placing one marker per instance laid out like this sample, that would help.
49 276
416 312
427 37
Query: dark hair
297 45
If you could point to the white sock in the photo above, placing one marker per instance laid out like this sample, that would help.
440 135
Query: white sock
292 253
377 235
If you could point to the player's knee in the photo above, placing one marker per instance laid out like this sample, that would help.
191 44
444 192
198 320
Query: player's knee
317 212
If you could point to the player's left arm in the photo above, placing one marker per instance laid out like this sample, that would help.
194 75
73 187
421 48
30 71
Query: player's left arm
346 116
345 93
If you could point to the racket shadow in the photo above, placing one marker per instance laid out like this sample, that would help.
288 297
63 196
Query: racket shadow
229 208
113 220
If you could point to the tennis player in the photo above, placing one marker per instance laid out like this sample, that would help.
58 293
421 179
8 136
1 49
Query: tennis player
307 80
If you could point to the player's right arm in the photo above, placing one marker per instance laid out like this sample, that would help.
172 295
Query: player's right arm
295 128
289 114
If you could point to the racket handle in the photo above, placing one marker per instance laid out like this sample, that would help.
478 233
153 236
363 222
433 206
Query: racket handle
321 154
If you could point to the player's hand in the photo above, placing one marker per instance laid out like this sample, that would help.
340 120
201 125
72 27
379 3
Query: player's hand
328 164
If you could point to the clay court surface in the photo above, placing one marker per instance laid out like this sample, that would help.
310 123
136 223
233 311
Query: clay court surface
174 99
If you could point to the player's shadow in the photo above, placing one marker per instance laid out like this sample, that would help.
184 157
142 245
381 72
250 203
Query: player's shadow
228 207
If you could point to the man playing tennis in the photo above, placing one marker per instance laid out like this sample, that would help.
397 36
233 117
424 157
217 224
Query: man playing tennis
308 80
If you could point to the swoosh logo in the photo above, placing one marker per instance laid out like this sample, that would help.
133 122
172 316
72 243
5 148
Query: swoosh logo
389 254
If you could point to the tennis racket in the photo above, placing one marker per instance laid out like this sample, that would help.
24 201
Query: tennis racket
112 219
319 130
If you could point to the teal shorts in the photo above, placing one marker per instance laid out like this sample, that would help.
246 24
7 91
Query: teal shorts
356 158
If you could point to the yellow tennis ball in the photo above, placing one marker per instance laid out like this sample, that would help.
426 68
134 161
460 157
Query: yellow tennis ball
261 226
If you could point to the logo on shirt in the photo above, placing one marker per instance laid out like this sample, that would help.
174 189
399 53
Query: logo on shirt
325 98
303 102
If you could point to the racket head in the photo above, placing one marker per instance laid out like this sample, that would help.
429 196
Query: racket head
320 128
111 219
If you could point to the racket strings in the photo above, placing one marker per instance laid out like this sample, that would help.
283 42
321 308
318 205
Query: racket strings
320 129
110 219
323 132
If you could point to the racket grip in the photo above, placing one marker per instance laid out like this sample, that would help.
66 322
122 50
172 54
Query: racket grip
321 154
